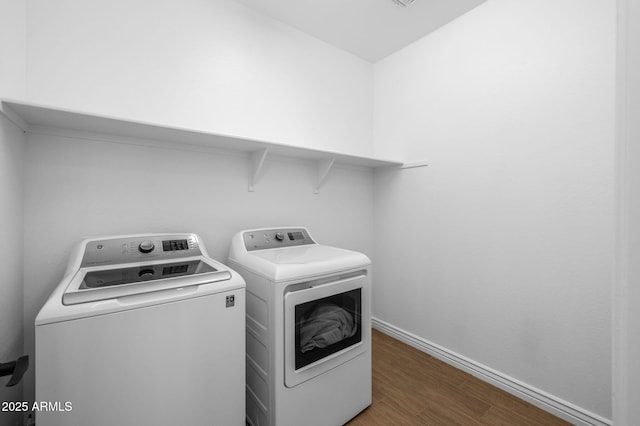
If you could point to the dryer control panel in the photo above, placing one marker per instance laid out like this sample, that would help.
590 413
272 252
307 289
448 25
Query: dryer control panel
111 251
261 239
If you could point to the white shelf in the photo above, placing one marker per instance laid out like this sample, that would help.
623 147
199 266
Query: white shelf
29 115
38 115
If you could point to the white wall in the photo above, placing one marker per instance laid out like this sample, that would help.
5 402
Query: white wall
13 42
12 78
77 187
501 250
626 369
210 65
11 296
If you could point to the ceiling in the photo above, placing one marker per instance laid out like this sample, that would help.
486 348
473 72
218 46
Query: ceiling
370 29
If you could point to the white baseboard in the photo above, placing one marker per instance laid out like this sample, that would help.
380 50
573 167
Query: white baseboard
554 405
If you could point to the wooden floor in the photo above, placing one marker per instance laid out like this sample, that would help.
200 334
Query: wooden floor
413 388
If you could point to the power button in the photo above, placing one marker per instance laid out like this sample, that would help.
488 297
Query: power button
146 246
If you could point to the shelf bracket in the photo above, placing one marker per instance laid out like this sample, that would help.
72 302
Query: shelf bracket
323 168
257 165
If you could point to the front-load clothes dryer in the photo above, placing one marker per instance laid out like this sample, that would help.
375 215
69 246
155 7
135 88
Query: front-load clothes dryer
142 330
308 328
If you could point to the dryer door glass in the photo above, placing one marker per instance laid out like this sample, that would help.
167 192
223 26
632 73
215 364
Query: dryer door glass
328 325
325 325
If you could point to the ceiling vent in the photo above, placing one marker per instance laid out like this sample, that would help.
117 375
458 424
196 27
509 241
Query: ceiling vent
403 3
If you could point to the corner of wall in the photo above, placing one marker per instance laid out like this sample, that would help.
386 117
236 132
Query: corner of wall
12 149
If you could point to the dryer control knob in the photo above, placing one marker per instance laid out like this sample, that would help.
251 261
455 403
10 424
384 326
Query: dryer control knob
146 246
279 236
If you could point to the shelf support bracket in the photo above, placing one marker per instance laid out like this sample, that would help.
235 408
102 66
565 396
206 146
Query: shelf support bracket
323 168
257 165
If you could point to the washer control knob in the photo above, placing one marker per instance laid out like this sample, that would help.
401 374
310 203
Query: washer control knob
146 246
279 236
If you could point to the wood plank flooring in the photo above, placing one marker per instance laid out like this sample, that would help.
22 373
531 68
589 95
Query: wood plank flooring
413 388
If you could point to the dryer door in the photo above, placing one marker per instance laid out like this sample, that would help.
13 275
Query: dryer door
324 326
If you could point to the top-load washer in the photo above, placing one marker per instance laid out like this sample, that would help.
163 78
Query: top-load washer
142 330
308 328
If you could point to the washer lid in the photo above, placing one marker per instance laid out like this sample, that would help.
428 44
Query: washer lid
102 278
291 263
97 283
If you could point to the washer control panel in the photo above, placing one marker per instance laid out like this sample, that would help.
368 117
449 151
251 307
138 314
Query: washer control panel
262 239
139 248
